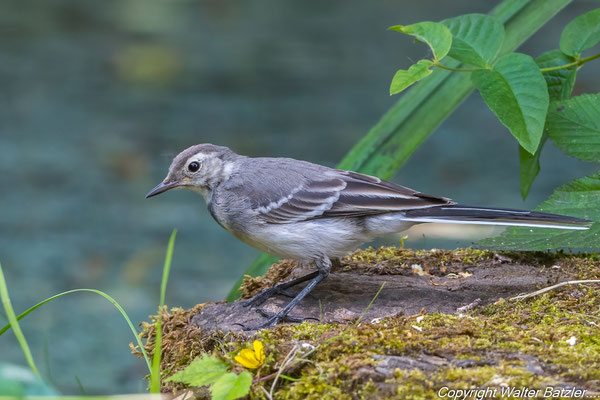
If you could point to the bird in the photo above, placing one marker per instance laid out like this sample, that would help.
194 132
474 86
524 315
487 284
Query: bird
315 214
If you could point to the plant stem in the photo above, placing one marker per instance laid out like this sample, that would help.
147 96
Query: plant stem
453 69
577 63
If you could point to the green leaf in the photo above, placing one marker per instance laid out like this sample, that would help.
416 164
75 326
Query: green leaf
574 126
529 166
579 198
405 78
200 372
581 33
231 386
560 82
436 35
476 38
516 92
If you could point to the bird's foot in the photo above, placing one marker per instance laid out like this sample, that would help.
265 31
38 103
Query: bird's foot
266 295
273 319
280 288
314 277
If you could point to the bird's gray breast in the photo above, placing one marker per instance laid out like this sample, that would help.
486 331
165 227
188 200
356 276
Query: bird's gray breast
229 210
220 220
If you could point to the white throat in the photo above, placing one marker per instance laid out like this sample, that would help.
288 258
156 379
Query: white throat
205 191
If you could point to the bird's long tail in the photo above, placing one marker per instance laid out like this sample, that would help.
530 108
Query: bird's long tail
459 214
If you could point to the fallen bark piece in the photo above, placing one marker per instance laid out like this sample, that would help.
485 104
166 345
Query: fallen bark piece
446 281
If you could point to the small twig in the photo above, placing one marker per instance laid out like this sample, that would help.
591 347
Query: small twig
284 365
274 374
541 291
267 393
469 307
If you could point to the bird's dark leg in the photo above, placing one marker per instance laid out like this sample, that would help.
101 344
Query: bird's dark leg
287 318
323 267
277 289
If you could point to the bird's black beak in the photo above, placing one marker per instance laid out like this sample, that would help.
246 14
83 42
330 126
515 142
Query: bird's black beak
162 187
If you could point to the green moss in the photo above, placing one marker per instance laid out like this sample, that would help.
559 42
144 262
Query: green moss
527 343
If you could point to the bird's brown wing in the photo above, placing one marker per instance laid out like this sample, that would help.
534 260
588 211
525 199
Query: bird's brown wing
345 194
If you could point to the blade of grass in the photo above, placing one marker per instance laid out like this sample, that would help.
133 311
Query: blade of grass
12 319
107 297
80 386
424 107
46 352
370 304
289 378
166 271
155 371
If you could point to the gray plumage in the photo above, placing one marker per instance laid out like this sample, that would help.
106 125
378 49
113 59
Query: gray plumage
296 209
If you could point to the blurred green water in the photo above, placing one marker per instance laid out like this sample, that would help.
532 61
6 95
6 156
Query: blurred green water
96 98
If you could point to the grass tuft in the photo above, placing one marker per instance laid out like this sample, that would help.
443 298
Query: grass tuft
107 297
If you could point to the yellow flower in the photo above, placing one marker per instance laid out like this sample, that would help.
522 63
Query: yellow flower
252 358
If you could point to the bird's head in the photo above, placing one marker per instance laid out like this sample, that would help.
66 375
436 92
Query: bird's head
200 168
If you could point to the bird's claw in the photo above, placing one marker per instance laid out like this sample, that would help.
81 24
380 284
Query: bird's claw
282 318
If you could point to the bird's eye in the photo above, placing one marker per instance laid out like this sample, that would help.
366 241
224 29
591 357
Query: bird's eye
194 166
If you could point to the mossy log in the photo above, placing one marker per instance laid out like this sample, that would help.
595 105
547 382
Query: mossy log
443 319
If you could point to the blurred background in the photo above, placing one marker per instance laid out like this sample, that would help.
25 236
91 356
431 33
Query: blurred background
96 97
